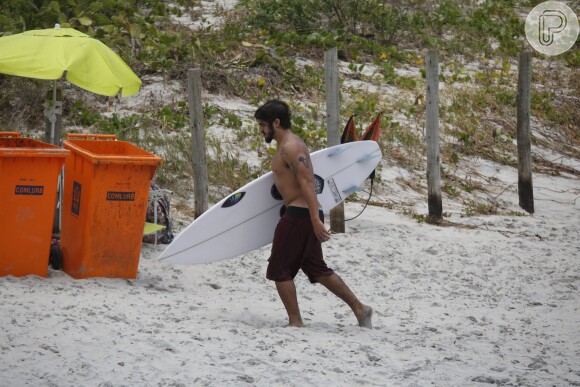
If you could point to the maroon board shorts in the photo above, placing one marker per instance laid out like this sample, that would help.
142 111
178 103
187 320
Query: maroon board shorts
295 247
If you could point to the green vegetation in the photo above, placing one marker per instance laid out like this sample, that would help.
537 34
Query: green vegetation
372 27
273 48
138 30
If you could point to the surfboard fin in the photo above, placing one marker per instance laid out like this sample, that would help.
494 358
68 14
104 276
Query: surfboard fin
372 132
349 133
338 150
352 189
374 129
370 156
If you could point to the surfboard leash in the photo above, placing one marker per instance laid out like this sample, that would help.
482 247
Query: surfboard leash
372 177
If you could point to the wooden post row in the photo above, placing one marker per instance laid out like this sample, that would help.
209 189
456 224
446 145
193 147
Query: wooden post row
332 122
200 179
432 129
525 186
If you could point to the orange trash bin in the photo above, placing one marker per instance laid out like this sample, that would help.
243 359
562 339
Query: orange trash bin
106 191
29 172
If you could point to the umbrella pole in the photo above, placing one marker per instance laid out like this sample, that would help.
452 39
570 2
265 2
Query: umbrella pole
52 117
52 107
51 114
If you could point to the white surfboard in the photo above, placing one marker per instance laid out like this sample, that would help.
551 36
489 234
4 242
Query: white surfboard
246 219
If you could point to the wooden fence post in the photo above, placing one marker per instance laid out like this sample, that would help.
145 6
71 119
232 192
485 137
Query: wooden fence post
525 186
432 128
200 180
332 117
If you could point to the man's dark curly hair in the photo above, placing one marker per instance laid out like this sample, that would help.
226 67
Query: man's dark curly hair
273 109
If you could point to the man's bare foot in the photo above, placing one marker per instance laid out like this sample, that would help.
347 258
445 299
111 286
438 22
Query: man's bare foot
298 324
364 320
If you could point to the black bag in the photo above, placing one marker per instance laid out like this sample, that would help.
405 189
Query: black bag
160 198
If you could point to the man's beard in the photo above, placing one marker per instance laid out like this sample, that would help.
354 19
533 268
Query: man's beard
269 136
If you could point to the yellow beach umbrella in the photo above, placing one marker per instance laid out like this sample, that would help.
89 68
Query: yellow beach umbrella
47 54
51 53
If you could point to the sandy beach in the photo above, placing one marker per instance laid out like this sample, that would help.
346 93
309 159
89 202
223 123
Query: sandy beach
480 300
486 300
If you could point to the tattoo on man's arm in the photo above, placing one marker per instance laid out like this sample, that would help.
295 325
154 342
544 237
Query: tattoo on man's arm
301 160
304 161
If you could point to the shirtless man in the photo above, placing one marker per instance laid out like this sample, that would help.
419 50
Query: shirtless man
298 235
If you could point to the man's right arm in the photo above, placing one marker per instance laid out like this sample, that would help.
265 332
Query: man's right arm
299 162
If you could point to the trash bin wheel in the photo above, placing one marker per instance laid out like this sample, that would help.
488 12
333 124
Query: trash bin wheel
55 258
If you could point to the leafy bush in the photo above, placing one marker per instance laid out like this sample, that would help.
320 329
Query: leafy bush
324 23
135 35
367 27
